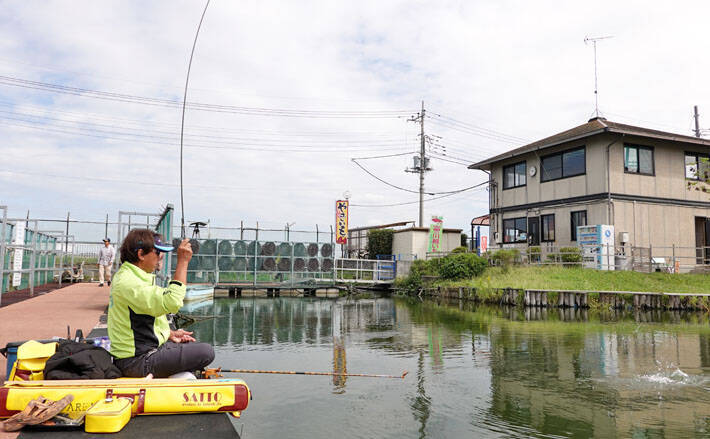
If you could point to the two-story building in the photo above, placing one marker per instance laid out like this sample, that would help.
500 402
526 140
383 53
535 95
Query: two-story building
602 172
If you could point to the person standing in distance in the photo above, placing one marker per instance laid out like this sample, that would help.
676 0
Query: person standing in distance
106 257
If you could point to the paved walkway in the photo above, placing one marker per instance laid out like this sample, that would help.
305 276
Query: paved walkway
43 317
78 306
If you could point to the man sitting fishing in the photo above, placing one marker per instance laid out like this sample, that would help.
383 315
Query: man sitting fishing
142 342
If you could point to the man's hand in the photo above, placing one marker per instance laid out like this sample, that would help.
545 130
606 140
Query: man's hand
181 336
184 251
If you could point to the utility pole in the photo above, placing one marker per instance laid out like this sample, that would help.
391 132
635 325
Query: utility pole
422 165
697 121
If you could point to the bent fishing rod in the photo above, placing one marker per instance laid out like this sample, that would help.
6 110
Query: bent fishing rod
217 372
182 123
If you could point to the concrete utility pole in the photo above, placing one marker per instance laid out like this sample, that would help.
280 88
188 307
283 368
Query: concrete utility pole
697 121
423 165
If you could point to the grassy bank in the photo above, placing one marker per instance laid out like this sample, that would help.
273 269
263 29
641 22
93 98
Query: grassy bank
561 278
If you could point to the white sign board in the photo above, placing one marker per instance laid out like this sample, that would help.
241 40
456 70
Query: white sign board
18 239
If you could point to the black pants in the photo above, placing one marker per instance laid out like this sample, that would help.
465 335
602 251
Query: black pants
168 359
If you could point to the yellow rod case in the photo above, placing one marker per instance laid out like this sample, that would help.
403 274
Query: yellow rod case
108 415
148 396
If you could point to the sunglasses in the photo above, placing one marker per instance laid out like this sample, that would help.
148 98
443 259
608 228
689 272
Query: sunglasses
156 241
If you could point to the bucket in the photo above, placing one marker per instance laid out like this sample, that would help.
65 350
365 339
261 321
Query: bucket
10 352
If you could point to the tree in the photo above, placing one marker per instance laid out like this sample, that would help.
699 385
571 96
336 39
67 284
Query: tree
464 240
379 242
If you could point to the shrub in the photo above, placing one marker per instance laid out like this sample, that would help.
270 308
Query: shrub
571 255
462 266
567 256
413 281
461 249
506 257
379 242
534 254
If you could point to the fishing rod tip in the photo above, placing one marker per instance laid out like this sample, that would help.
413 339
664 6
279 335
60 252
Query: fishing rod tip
405 374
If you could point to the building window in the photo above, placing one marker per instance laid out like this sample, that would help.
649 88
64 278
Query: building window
547 228
563 164
514 175
578 218
638 159
697 166
515 229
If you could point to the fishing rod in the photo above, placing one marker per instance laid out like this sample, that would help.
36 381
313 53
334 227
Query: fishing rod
216 373
182 123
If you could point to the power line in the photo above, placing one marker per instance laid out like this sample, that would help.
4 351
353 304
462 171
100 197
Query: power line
383 181
414 202
38 119
239 146
381 156
253 111
474 128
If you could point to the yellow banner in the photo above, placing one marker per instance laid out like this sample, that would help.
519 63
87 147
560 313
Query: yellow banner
341 222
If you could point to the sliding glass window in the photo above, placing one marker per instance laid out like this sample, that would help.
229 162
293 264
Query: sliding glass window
547 228
563 164
514 175
638 159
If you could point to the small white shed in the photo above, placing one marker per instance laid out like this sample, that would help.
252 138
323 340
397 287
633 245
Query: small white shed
411 242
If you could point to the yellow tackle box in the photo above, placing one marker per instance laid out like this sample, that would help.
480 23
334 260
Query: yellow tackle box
108 415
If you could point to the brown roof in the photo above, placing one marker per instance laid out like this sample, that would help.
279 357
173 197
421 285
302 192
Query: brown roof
594 126
381 226
483 220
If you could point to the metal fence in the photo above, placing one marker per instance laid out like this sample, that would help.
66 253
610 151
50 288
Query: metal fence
668 259
229 255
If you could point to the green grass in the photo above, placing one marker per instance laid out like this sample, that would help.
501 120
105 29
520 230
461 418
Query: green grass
573 278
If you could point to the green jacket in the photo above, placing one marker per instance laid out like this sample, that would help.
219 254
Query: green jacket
137 309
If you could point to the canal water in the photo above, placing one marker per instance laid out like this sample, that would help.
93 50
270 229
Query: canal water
473 371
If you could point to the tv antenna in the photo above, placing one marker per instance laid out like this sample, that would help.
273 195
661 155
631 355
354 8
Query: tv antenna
594 44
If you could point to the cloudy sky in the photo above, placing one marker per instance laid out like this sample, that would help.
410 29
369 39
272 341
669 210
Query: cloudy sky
284 94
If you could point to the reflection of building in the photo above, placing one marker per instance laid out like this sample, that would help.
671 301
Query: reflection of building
597 384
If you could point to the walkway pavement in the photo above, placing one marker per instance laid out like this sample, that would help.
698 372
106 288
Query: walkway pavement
78 306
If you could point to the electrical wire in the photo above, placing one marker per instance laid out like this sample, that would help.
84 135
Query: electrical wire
415 202
472 127
253 111
386 182
259 147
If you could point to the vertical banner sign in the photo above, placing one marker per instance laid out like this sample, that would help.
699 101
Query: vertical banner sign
341 222
435 230
18 239
484 244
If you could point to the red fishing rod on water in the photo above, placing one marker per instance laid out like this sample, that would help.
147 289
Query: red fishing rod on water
217 372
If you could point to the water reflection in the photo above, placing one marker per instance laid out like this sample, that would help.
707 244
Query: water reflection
474 371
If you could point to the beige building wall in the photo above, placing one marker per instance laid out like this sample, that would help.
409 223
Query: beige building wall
658 223
596 214
669 163
414 241
593 182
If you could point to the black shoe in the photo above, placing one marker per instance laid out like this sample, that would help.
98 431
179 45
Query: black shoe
101 285
109 283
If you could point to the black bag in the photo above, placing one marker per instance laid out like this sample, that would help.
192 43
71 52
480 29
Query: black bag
80 361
